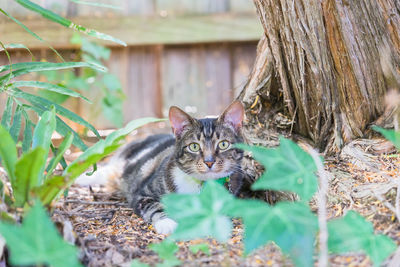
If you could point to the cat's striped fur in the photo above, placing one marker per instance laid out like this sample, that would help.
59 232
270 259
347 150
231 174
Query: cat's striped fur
163 164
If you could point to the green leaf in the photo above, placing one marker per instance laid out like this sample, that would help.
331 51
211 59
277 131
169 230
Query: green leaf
30 32
96 4
352 233
63 128
49 87
111 82
65 22
51 188
292 226
37 241
97 51
28 172
112 109
16 125
42 136
12 46
137 263
7 113
200 215
46 104
27 141
166 251
203 247
104 147
44 130
59 154
391 135
8 154
289 168
28 67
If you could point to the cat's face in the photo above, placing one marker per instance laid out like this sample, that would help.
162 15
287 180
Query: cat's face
204 147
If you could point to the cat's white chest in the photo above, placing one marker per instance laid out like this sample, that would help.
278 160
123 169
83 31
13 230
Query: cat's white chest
184 183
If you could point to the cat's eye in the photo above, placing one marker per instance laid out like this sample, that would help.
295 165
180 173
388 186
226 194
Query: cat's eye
194 147
223 145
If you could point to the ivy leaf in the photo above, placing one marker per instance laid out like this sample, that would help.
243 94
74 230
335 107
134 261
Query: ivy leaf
391 135
203 247
352 233
292 226
200 215
289 168
166 251
37 242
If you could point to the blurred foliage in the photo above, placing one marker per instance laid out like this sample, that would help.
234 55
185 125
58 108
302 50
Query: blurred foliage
290 225
88 79
37 241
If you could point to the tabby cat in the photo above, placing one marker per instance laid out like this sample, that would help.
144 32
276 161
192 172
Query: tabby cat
199 150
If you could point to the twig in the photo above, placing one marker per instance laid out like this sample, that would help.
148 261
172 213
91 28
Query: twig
321 202
115 203
386 203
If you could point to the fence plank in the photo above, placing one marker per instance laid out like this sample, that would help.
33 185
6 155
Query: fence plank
179 7
142 91
197 79
143 30
243 58
240 6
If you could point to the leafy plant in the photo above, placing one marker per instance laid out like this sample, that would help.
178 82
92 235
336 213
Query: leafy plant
352 233
27 174
89 79
166 252
200 215
290 225
37 241
203 247
66 22
17 97
23 102
289 169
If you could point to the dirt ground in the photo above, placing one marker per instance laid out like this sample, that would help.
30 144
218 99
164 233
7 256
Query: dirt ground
363 178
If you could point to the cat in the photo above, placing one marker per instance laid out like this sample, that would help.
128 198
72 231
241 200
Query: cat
199 150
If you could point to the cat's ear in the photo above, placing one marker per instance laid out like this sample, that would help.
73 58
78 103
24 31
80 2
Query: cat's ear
233 114
179 120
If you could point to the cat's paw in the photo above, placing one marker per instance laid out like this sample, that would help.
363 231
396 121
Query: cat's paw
165 226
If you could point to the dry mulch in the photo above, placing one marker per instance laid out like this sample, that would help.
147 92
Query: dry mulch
110 234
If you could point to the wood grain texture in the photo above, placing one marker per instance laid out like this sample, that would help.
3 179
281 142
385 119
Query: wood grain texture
179 7
327 57
141 30
197 79
243 56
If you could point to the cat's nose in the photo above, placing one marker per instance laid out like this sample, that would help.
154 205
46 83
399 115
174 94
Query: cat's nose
209 162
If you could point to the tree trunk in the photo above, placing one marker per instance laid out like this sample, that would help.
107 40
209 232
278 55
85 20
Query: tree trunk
322 69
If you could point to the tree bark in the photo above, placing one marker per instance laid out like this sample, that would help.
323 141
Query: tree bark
322 69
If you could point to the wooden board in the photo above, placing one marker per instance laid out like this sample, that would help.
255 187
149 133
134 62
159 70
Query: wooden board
243 57
197 79
179 7
142 30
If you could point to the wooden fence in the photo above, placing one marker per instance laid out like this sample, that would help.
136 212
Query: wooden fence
192 53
